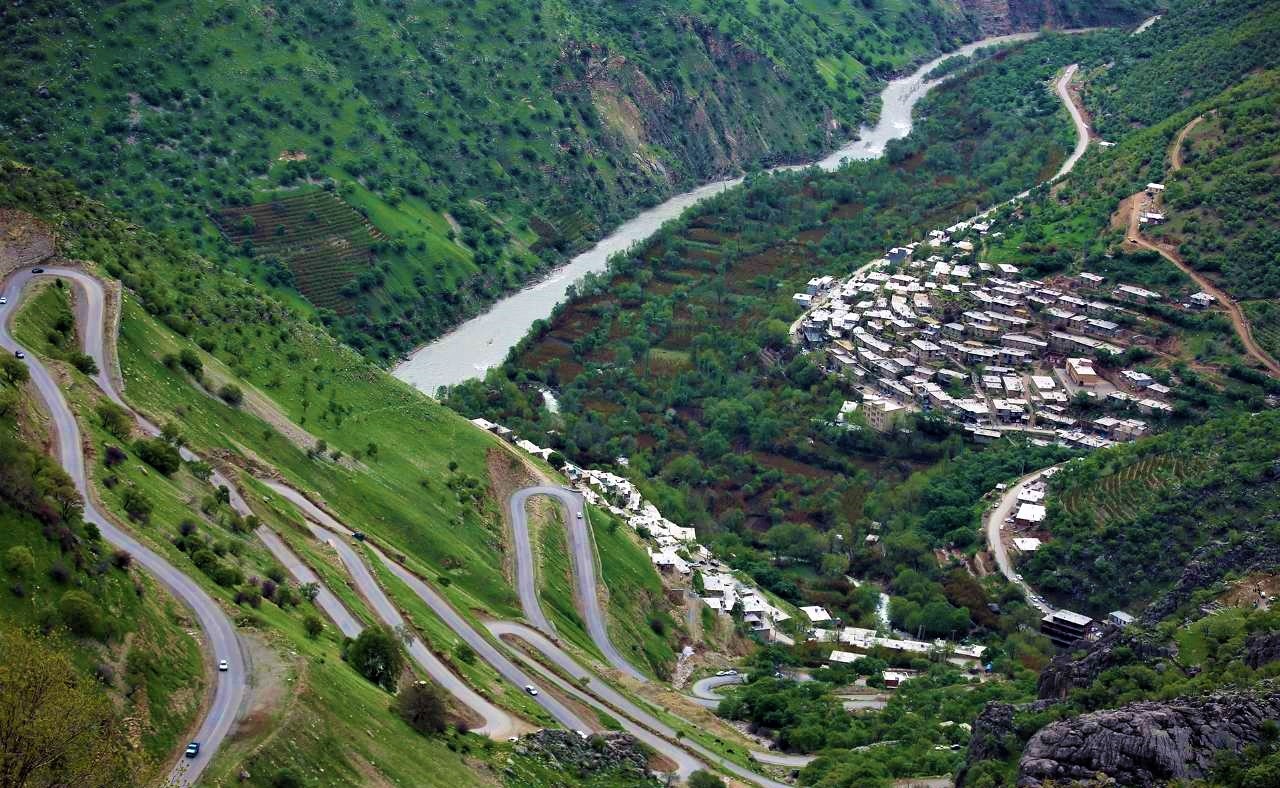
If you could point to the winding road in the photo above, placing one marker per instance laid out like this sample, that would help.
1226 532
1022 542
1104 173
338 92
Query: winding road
582 551
229 687
1239 322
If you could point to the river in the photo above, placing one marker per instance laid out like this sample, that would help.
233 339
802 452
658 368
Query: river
483 341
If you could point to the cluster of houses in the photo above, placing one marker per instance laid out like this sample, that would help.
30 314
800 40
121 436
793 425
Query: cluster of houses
928 328
674 548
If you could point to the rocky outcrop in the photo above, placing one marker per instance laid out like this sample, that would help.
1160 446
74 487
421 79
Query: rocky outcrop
998 17
1148 743
619 753
1209 565
1261 649
994 735
1117 647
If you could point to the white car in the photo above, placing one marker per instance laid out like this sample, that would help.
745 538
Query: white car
579 515
223 666
532 690
3 300
731 672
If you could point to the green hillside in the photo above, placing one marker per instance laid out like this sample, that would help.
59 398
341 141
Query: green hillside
482 140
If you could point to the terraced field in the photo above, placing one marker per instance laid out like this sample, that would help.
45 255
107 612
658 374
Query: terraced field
324 241
1121 495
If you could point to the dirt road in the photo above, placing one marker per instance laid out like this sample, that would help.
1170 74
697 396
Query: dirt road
1238 320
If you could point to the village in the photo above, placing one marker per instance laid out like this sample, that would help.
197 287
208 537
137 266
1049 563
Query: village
929 329
676 553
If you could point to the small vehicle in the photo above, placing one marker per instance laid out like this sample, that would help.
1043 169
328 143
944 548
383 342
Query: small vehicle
582 734
19 354
722 673
1018 578
193 749
39 271
579 515
3 300
358 535
532 690
223 666
513 739
731 672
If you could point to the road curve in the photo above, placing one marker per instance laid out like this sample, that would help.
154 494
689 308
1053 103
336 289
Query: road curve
1062 88
229 687
996 518
497 723
687 754
582 552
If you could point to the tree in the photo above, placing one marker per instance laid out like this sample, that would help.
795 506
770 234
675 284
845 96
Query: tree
19 562
158 454
114 419
705 779
377 655
84 362
422 705
80 613
313 625
191 362
309 591
59 729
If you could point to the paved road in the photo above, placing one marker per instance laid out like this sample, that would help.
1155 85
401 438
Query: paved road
347 624
687 754
704 690
497 723
582 553
995 519
220 637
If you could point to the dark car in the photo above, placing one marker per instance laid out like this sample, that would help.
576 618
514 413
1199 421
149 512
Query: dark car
193 749
358 535
19 354
37 270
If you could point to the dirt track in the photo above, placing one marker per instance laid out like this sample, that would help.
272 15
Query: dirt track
1238 320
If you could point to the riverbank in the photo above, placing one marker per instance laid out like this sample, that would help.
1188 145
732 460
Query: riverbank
484 341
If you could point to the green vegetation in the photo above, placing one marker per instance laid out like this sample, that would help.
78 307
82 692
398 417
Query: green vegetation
1154 503
174 111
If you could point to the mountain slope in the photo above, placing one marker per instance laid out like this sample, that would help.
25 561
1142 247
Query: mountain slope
482 140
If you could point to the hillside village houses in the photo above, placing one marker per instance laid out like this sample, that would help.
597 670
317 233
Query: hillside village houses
927 328
674 547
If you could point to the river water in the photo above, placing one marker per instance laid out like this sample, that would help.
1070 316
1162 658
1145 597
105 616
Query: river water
483 341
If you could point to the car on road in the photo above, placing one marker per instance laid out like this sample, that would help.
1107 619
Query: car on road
1018 578
37 270
193 749
582 734
223 666
358 535
731 672
3 300
513 738
19 354
579 515
532 690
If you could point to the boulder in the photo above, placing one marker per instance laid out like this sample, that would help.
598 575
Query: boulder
1150 742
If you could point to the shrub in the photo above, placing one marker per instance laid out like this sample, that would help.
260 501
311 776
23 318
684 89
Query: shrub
422 705
19 562
113 456
313 625
191 362
122 559
85 363
231 394
135 504
80 613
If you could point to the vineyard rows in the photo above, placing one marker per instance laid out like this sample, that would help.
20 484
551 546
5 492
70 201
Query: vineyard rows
1121 495
325 242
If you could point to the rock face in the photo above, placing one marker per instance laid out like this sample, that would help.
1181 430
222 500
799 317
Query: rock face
1148 743
993 731
1115 648
569 751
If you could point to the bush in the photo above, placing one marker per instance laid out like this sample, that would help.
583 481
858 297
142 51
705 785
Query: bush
285 778
19 562
122 559
80 613
705 779
313 625
191 362
113 456
159 455
231 394
84 362
422 705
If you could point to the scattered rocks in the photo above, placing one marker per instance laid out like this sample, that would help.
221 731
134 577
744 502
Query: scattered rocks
1148 743
602 752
